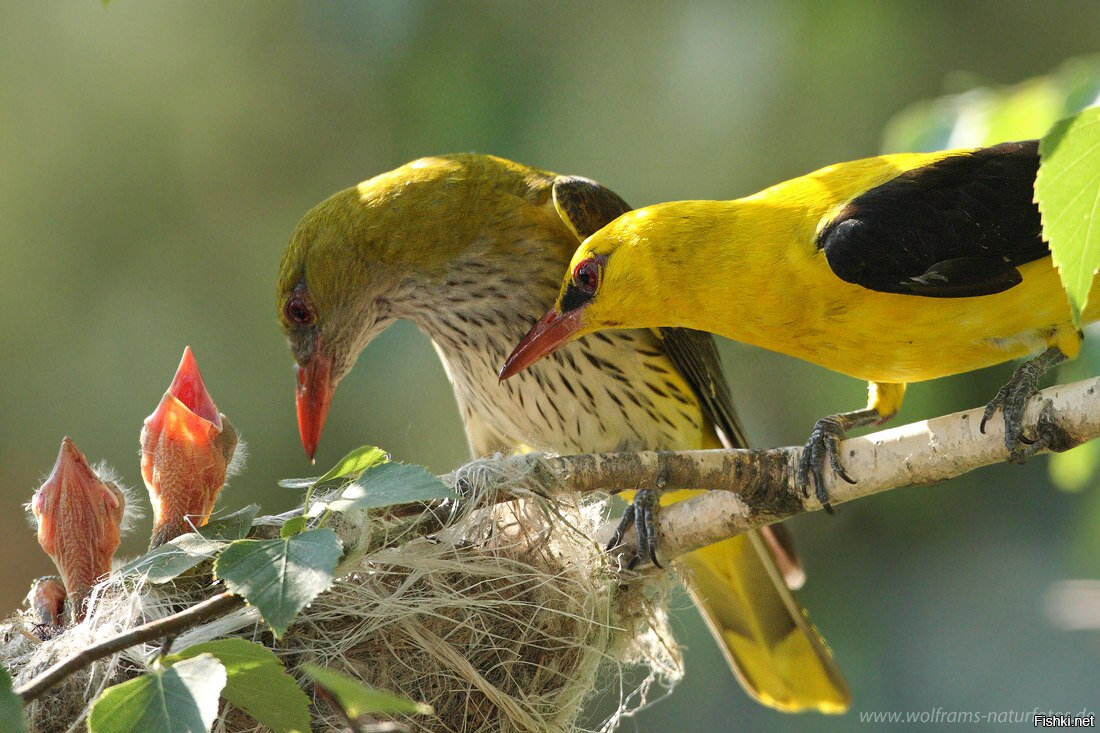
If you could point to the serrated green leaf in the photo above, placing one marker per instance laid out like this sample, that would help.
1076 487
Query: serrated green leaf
257 683
11 707
279 577
173 558
178 699
358 699
351 465
293 526
231 527
1068 192
388 485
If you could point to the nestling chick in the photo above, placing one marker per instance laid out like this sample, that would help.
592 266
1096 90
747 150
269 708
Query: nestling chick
187 450
79 520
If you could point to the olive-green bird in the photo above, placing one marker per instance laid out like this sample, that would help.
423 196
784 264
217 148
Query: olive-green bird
470 248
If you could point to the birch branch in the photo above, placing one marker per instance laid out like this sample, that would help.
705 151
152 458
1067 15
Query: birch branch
747 489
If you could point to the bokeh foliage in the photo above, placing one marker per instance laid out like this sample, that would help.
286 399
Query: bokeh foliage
154 158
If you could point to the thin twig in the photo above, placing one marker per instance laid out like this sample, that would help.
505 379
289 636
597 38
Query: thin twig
213 607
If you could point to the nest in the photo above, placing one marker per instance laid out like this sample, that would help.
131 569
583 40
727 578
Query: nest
507 619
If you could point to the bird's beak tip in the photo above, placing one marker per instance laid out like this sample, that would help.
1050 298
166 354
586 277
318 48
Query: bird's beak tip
550 332
313 395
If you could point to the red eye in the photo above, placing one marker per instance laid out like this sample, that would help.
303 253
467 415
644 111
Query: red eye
586 276
298 311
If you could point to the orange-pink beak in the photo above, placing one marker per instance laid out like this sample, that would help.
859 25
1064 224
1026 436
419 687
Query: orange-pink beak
186 448
313 395
551 331
79 520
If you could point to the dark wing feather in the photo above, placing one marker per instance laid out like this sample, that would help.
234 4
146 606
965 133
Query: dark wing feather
585 205
956 228
695 356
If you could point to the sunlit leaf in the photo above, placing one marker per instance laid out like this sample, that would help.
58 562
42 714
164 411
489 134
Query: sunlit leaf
256 682
279 577
989 115
231 527
11 707
182 698
177 556
1068 192
1075 469
358 699
390 484
293 526
351 465
1023 112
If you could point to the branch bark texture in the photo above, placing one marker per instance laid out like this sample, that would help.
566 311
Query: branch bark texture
747 489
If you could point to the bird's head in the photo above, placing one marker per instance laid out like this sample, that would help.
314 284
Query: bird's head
607 285
79 517
420 239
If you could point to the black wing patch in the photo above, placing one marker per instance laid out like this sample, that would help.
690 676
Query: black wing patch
956 228
695 356
585 205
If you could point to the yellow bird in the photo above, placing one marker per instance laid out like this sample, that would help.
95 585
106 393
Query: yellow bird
470 248
892 269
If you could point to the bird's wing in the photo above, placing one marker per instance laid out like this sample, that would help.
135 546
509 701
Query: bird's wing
695 356
586 206
955 228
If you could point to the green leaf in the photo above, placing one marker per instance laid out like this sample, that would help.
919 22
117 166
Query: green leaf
1073 470
292 526
353 464
279 577
256 682
173 558
182 553
390 484
178 699
11 707
988 115
358 699
231 527
1068 192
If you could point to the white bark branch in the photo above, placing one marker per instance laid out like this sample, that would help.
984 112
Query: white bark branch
751 488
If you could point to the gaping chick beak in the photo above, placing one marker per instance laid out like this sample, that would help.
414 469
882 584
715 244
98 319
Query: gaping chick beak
551 331
313 396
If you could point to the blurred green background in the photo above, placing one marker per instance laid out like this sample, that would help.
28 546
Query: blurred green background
154 158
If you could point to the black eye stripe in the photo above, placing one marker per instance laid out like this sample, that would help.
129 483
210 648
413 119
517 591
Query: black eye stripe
574 298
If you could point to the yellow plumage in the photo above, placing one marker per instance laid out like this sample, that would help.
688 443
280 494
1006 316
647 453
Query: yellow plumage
893 269
750 270
470 248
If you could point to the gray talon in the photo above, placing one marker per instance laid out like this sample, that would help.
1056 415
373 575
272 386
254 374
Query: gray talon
642 513
1012 399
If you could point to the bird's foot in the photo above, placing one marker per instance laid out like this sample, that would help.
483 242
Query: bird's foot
1012 399
824 445
642 514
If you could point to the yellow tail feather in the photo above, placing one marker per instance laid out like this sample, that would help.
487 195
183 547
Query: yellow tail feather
778 656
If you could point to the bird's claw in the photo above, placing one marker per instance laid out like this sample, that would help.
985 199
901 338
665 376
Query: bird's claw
823 445
1012 400
642 514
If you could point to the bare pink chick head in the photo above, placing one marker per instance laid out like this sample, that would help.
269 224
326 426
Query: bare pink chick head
186 449
79 518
